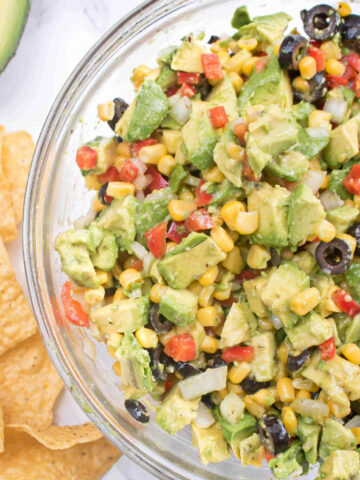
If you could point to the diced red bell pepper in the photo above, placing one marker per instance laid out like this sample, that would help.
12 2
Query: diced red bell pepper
352 181
346 303
171 91
138 265
319 57
181 348
269 456
168 385
349 73
218 117
156 240
137 146
316 43
240 129
336 81
177 232
328 349
158 181
246 275
238 354
199 220
260 65
187 90
111 175
201 196
212 66
188 77
354 61
73 309
248 172
86 158
356 86
128 171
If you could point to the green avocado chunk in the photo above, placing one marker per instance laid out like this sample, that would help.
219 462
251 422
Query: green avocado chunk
211 443
190 259
106 149
301 112
311 141
177 176
224 95
253 289
263 365
290 463
344 143
179 306
290 165
342 217
241 17
224 191
106 253
235 433
230 167
335 437
251 450
267 29
187 58
309 331
340 465
353 330
124 315
236 328
167 78
145 114
309 434
352 277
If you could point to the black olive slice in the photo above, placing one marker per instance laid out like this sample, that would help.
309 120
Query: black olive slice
350 32
354 230
275 257
213 39
158 322
158 362
120 107
317 90
333 257
292 49
216 361
295 362
102 194
321 22
250 385
273 434
204 88
137 410
185 369
206 400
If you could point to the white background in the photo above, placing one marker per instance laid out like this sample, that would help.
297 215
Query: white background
57 35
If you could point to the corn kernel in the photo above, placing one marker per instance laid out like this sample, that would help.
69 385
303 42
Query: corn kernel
289 420
206 296
301 85
277 49
320 119
103 277
113 342
124 149
253 407
146 337
235 151
334 67
233 46
231 387
325 231
281 370
97 205
234 64
139 75
248 43
186 194
352 353
305 301
195 288
207 316
170 246
166 164
224 56
344 9
209 344
332 50
156 292
209 277
356 433
349 202
357 201
265 324
303 394
258 256
262 397
336 410
248 66
329 303
254 112
106 111
171 139
92 182
215 47
325 182
129 276
285 390
119 295
181 209
233 262
223 294
282 353
165 337
307 67
223 393
213 175
247 222
152 153
237 82
222 239
117 189
238 372
314 164
94 295
229 212
349 239
117 369
234 235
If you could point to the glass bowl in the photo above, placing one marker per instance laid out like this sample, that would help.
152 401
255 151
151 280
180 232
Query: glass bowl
56 196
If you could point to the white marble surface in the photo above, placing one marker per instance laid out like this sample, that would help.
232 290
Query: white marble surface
57 35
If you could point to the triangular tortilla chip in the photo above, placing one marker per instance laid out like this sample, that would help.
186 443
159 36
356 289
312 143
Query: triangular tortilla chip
2 431
7 218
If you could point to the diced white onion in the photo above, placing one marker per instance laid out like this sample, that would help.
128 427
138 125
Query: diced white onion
142 167
181 110
302 383
313 179
224 36
330 200
204 418
317 132
148 260
311 247
238 121
138 250
174 99
85 220
337 107
142 181
140 195
211 380
232 408
315 409
275 320
354 422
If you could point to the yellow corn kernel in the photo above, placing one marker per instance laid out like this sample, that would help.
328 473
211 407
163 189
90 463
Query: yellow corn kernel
224 56
265 324
238 372
213 175
253 407
307 67
234 47
222 393
336 410
234 235
237 82
119 161
209 277
231 387
195 288
248 66
357 201
287 254
305 301
325 182
325 231
103 277
207 316
332 50
215 47
301 85
129 276
235 63
106 111
247 222
349 239
166 164
349 202
146 337
233 262
229 212
117 369
156 292
254 112
152 153
329 303
352 353
181 209
235 151
124 149
113 342
139 74
320 119
209 344
282 353
344 9
289 420
334 67
258 256
170 246
281 370
97 205
119 295
356 433
186 194
117 189
285 390
206 296
222 239
277 49
223 294
92 182
165 337
248 43
303 394
171 139
262 397
314 164
94 295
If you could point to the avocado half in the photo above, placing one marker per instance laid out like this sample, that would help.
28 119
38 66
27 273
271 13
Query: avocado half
13 16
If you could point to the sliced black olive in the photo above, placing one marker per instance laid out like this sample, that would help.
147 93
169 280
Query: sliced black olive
213 39
295 362
120 107
158 322
350 32
273 434
355 407
158 362
216 361
292 49
250 385
275 257
110 291
333 257
315 395
185 369
206 400
102 194
318 89
137 410
321 22
204 88
354 230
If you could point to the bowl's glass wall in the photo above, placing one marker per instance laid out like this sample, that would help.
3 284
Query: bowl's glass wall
56 197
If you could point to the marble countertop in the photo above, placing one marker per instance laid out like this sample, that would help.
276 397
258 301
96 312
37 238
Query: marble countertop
57 35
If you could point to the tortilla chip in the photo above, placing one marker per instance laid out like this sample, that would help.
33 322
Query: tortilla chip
18 149
16 319
7 218
29 384
2 432
26 458
60 438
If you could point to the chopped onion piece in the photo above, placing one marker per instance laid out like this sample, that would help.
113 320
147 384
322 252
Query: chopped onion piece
142 167
330 200
318 132
181 110
238 121
232 408
140 195
174 99
354 422
315 409
275 320
85 220
142 181
138 250
211 380
311 247
204 418
148 260
337 107
313 179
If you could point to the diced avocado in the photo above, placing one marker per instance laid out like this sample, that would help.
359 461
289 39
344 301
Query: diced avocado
322 282
167 78
343 322
106 253
175 413
342 217
263 364
199 136
177 176
166 55
309 434
257 159
253 289
340 465
197 332
119 218
305 261
240 17
224 95
309 331
252 451
188 57
230 167
179 306
336 179
283 284
290 463
301 112
106 150
135 364
305 214
153 210
353 331
170 122
211 443
267 29
145 114
344 143
290 165
235 433
335 437
236 329
190 259
272 205
224 191
169 138
125 315
311 141
352 277
346 374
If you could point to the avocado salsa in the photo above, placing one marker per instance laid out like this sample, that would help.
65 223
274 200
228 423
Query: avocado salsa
220 263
